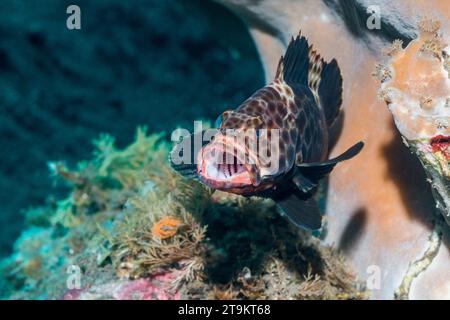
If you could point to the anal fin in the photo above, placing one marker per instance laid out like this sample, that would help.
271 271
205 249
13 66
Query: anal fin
188 171
187 165
304 213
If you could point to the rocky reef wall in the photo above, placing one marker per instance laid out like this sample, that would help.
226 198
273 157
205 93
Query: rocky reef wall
380 207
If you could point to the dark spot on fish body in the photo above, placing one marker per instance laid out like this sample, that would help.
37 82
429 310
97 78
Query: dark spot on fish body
293 134
275 93
282 147
268 94
285 136
253 103
270 124
252 108
259 109
291 121
271 107
246 108
236 120
309 132
262 96
305 150
281 109
282 162
299 144
292 107
242 116
291 152
301 100
301 122
263 103
269 135
278 120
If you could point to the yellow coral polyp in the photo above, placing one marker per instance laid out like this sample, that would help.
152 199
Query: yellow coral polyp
166 228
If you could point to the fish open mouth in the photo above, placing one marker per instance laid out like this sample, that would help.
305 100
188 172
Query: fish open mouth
225 170
221 169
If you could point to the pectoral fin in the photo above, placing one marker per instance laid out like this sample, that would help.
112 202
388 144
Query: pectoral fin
304 213
188 171
303 183
183 157
317 170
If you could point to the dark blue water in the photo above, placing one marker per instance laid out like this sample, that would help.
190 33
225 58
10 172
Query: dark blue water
155 63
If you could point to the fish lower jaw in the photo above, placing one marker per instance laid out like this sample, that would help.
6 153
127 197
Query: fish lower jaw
268 172
219 179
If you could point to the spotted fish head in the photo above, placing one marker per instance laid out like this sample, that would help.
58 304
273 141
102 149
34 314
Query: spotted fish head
245 155
239 158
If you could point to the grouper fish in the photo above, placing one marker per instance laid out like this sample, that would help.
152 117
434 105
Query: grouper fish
293 115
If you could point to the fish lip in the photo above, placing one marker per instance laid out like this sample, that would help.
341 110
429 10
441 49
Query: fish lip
224 144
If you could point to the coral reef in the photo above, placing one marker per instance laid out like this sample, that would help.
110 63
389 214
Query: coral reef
131 228
415 84
416 88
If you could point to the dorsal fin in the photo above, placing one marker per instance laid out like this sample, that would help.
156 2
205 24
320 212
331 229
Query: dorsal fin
316 64
293 67
186 163
302 65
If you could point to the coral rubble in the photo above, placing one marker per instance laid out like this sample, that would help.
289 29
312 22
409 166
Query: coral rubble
133 229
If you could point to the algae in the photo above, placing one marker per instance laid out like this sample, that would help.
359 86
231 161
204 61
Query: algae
224 246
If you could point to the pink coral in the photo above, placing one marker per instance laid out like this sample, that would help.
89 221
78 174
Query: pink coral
157 287
441 143
73 294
